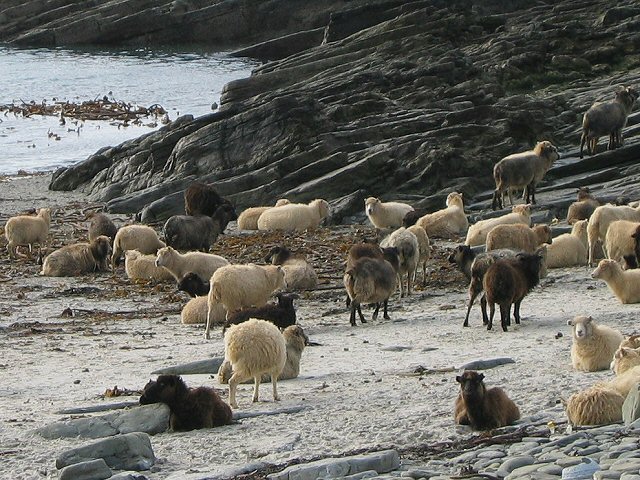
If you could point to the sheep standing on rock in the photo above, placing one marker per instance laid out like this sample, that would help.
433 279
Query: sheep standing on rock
597 405
196 310
522 170
369 280
518 237
607 118
26 230
477 234
447 223
386 214
425 249
101 224
482 408
569 249
248 219
202 264
593 345
298 274
143 267
624 284
253 348
599 223
192 284
199 232
583 208
191 408
282 314
408 254
620 243
78 258
294 216
135 237
202 199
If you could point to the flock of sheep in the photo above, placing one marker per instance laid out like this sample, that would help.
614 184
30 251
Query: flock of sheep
502 257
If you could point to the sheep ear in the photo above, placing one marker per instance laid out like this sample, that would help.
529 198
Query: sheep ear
569 322
458 379
588 320
481 377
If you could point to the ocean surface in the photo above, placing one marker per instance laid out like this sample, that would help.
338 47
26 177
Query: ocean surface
182 81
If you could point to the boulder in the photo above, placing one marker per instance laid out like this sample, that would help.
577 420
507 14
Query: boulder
90 470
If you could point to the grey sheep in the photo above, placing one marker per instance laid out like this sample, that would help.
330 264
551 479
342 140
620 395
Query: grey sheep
186 232
101 224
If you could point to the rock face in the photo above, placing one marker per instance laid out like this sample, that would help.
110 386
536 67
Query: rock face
401 101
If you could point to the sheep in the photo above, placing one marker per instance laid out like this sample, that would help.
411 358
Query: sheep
386 214
78 258
620 244
27 230
295 339
408 253
624 381
143 267
135 237
202 199
569 249
242 286
253 348
412 217
624 359
625 284
193 285
248 220
477 233
631 342
191 408
482 408
294 216
583 208
599 223
607 118
597 405
202 264
446 223
522 170
101 224
507 282
462 256
298 274
196 309
425 249
282 315
593 345
199 232
369 280
518 237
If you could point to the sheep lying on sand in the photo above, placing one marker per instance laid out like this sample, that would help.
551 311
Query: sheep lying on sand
569 249
248 220
477 234
518 237
408 254
597 405
583 208
202 264
143 267
78 258
298 274
294 216
593 345
624 359
624 284
620 243
386 214
27 230
196 311
447 223
599 225
101 224
135 237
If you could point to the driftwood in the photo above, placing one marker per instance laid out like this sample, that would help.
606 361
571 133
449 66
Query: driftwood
210 365
285 410
97 408
486 364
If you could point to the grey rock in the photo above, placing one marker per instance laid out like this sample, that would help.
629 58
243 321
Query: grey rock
129 476
89 470
607 475
631 465
631 405
522 472
210 365
515 462
583 470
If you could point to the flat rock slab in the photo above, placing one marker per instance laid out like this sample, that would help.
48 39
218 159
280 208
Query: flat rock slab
210 365
91 470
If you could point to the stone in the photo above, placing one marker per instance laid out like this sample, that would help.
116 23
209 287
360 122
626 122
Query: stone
90 470
583 470
515 462
631 405
129 476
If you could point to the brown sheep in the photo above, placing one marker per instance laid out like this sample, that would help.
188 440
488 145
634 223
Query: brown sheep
202 199
518 237
480 408
101 224
369 280
78 258
191 408
583 208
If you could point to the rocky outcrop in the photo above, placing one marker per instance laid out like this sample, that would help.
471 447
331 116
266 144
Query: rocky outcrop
402 100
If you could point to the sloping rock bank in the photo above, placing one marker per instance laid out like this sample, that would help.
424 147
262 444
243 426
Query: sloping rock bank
401 100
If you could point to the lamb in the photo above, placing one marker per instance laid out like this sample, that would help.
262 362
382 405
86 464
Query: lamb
143 267
620 244
425 249
447 223
369 280
408 253
607 118
599 224
624 359
298 274
593 345
248 220
253 348
295 216
387 214
101 224
202 199
583 208
569 249
27 230
78 258
196 309
522 170
295 339
193 285
518 237
625 284
191 408
507 282
199 232
202 264
477 234
597 405
242 286
282 315
135 237
482 408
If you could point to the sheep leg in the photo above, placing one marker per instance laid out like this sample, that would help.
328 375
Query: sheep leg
410 275
492 311
399 276
233 385
376 311
583 140
516 312
208 327
510 196
385 315
362 319
424 273
256 387
274 383
504 316
483 307
348 301
472 298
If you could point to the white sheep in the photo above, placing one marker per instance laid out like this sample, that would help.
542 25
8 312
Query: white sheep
298 274
253 348
26 230
294 216
593 345
597 405
202 264
135 237
425 249
242 286
623 382
569 249
248 219
599 223
386 214
518 237
78 258
620 244
195 312
625 284
447 223
408 255
477 234
624 359
143 267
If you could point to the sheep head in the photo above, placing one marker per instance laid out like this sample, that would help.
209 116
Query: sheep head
606 269
278 255
627 96
101 248
163 255
370 205
546 149
460 253
624 359
522 209
455 199
471 384
163 390
582 327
